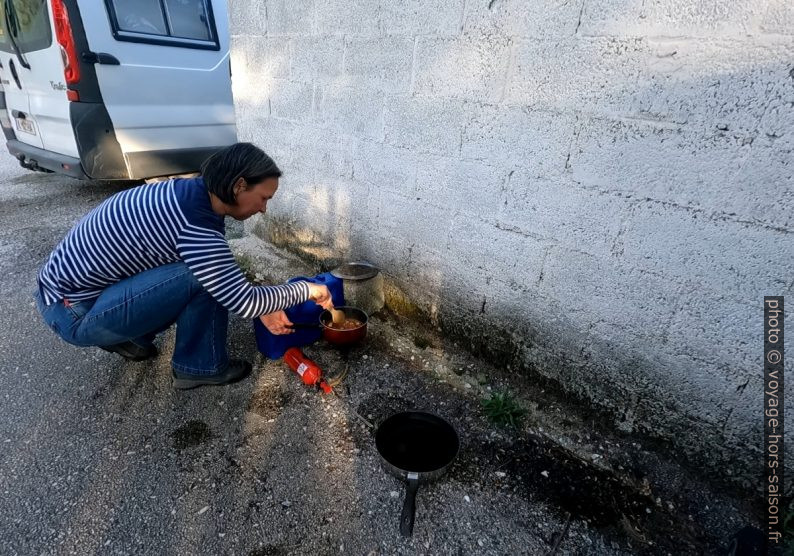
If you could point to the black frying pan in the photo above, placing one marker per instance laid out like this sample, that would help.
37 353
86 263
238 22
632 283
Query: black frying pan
416 447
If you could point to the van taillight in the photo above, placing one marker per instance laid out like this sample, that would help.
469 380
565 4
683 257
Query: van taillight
63 32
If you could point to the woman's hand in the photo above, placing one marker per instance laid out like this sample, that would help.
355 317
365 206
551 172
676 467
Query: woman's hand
277 323
320 295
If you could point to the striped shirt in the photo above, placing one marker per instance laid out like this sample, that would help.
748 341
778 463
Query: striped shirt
152 225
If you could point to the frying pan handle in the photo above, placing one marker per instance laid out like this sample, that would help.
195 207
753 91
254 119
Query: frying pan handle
409 507
299 325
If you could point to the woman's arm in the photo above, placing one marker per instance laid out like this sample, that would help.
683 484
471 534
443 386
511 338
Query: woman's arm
208 255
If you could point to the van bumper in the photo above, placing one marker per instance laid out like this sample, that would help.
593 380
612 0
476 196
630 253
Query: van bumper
150 164
34 158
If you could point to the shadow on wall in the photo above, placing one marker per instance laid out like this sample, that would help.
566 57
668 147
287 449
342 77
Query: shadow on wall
632 195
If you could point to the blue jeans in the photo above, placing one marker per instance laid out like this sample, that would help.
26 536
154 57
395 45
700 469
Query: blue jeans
137 308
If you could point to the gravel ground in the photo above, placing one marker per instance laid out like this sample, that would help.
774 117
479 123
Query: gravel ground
103 456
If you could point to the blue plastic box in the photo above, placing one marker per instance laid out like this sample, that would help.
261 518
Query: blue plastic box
273 346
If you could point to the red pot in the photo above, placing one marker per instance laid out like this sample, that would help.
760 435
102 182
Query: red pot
344 337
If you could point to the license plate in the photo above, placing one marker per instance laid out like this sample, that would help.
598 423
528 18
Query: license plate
26 126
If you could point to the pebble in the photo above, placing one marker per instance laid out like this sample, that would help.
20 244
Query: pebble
500 474
202 510
466 498
545 473
479 542
286 503
394 494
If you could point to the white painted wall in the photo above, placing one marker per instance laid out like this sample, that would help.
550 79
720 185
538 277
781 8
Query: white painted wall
612 177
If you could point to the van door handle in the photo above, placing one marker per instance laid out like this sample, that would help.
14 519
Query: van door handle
18 114
12 66
100 58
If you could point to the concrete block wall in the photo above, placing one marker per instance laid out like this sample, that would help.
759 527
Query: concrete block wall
605 186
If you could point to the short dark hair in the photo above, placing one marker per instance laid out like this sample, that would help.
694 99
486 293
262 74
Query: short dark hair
241 160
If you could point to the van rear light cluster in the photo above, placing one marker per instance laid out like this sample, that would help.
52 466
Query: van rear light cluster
63 32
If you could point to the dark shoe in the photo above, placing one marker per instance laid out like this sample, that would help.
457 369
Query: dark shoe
235 370
131 351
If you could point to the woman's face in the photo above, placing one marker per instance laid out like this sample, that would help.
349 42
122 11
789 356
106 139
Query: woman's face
251 200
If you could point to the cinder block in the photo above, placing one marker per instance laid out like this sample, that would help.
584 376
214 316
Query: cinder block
238 54
585 220
779 17
599 289
514 18
595 74
762 189
716 255
470 187
712 85
291 100
514 259
348 17
334 215
353 110
425 125
383 166
383 62
422 17
293 184
247 18
267 58
390 253
717 328
469 67
516 137
290 17
715 172
272 135
670 18
424 269
332 151
254 60
317 59
247 122
676 396
415 222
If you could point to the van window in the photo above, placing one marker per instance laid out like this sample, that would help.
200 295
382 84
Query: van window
29 23
185 23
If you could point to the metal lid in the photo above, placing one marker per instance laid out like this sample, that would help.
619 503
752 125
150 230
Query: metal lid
359 270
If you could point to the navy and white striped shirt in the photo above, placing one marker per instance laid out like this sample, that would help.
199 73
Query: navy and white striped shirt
152 225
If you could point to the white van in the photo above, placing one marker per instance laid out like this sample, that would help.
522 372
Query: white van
115 89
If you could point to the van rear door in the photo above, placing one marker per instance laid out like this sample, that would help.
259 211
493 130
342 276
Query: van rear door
33 77
24 28
163 71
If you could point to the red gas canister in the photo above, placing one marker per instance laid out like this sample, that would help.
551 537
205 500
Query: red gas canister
307 369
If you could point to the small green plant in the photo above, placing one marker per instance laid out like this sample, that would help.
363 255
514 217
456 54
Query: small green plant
503 409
